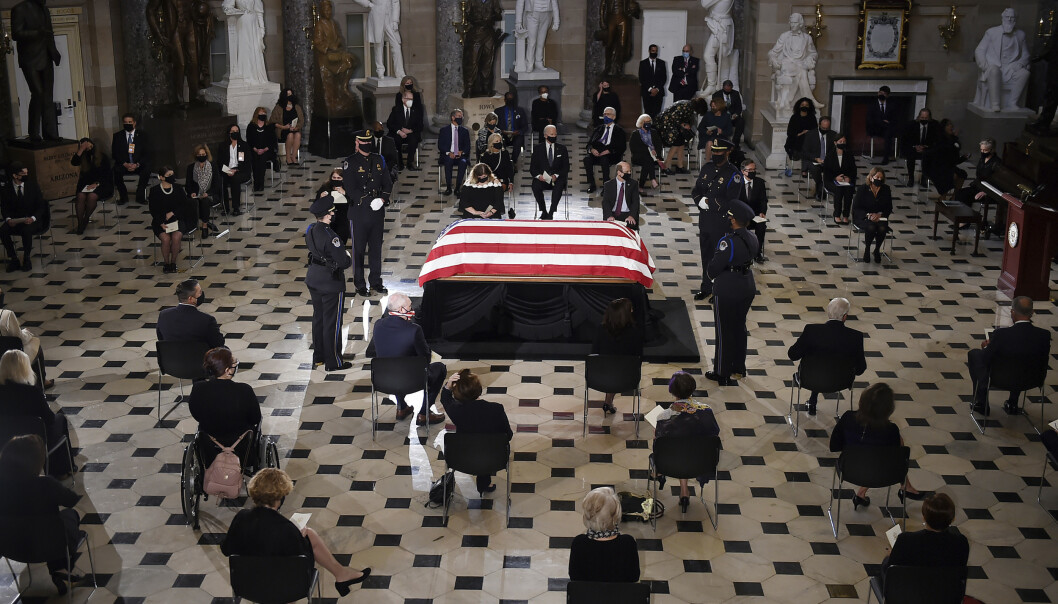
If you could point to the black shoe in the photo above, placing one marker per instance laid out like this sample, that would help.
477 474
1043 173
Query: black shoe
27 265
258 189
212 227
811 408
660 480
592 188
363 291
236 212
458 189
878 257
722 380
857 501
702 295
380 289
919 496
412 168
345 365
510 214
866 257
682 171
760 258
1011 409
609 409
447 191
489 489
981 408
685 502
13 265
885 162
343 587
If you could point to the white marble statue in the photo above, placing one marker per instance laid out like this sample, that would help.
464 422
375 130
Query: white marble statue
531 20
383 24
1003 58
246 55
793 63
718 59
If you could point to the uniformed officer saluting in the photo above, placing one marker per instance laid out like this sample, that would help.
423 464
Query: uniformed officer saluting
733 292
326 282
719 183
367 187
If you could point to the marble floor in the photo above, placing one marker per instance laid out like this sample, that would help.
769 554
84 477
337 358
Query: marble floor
95 306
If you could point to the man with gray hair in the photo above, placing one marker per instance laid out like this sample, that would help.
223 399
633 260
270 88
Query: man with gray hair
1022 340
830 339
1003 58
606 146
549 167
397 335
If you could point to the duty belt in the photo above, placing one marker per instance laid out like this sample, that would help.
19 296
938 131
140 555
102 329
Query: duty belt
313 259
742 269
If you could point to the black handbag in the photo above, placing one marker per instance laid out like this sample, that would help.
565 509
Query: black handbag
446 483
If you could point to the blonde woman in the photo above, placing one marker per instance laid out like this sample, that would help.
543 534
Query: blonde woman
30 343
20 396
482 194
499 160
202 184
603 553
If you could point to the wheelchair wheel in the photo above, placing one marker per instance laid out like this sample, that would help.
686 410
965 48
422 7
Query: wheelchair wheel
271 458
190 479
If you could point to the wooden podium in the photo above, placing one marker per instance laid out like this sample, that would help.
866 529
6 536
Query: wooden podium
1031 240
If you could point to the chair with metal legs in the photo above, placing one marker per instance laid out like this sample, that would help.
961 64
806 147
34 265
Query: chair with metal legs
823 374
872 467
687 457
613 374
399 376
1015 374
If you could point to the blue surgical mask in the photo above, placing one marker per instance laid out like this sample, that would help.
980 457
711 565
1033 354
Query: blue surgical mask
607 119
686 55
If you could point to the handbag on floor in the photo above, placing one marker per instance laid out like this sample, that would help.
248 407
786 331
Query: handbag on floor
438 489
636 506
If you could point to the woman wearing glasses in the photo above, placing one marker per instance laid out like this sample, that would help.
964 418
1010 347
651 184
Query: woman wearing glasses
224 408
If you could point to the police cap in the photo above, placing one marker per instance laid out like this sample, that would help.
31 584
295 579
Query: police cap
322 205
741 212
721 145
365 136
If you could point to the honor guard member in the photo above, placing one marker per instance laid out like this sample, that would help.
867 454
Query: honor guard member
367 187
719 183
326 282
733 292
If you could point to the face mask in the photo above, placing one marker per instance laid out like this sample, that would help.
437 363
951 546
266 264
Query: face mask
607 119
878 182
407 314
408 86
923 119
552 139
129 127
840 145
508 102
751 174
261 117
199 301
459 121
543 95
646 126
719 158
804 110
986 153
234 136
200 159
379 133
162 179
881 97
606 87
362 149
408 103
653 55
483 179
686 55
622 175
823 130
497 146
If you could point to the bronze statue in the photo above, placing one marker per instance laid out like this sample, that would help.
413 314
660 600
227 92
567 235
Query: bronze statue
334 67
182 31
615 19
481 39
31 29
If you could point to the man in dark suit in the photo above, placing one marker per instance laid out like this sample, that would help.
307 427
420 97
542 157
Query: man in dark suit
405 125
514 124
544 112
549 167
32 31
131 152
684 83
453 143
620 197
881 122
652 78
25 214
397 335
185 322
734 108
832 338
755 195
606 146
1022 340
916 141
387 148
234 160
817 146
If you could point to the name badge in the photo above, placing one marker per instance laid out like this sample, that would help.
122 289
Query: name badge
242 156
132 148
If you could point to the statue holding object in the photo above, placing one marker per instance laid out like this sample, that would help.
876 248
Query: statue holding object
481 40
37 57
182 30
615 20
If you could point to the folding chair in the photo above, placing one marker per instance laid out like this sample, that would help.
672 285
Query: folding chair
274 579
597 592
37 539
613 374
1015 374
181 360
398 376
477 454
823 374
920 585
684 458
872 467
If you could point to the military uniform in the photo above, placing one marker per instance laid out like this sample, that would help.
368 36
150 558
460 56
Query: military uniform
367 179
716 187
326 282
733 292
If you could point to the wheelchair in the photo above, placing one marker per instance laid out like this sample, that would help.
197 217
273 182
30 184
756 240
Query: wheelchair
263 453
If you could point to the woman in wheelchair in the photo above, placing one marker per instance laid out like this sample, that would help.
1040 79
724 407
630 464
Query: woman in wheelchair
263 531
225 409
685 417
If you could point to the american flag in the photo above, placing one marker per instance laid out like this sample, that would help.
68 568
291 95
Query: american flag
549 248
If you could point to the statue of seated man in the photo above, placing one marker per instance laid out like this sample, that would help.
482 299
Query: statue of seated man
793 61
1003 58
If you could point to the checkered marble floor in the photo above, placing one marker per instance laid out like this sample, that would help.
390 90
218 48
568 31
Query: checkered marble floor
96 303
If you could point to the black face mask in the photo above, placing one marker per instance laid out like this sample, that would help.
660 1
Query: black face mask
379 133
839 145
751 174
497 146
234 136
199 301
459 121
336 182
823 130
923 120
483 179
129 127
653 55
552 139
878 182
881 97
262 117
804 110
293 100
508 102
407 86
986 153
362 149
719 158
200 159
605 88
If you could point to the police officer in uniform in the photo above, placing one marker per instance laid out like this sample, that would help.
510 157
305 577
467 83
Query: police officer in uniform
326 282
719 183
733 291
367 187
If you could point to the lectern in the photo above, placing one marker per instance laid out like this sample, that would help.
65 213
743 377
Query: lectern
1031 242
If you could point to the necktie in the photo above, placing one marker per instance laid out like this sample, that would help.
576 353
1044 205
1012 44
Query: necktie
606 136
727 98
883 107
550 154
749 189
128 138
922 136
455 139
822 146
20 191
407 115
653 67
620 199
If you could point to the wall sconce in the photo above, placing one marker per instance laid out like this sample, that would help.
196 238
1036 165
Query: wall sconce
949 29
816 30
1046 27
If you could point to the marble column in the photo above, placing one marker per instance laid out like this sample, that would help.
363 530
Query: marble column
449 58
7 115
147 79
594 55
298 62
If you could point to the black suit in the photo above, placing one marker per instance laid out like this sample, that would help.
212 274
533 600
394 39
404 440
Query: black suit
444 147
32 31
813 147
755 195
231 186
929 549
397 337
262 531
23 400
555 163
832 168
913 136
864 203
616 147
13 206
387 148
412 120
184 322
1022 339
225 410
641 155
629 201
38 496
684 83
830 338
477 417
649 78
119 151
882 122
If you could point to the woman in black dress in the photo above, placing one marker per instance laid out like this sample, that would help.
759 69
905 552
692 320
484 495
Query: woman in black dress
172 215
202 184
935 546
839 178
410 84
263 531
21 396
715 124
870 212
945 157
288 132
646 148
685 417
335 185
498 159
260 136
481 196
801 122
617 334
603 553
224 408
604 97
95 181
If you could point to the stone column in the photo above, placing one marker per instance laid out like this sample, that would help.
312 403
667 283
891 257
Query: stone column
148 80
298 62
7 115
449 58
594 61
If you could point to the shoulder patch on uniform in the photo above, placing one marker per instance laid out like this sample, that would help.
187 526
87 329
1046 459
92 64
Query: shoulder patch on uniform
723 245
738 178
336 243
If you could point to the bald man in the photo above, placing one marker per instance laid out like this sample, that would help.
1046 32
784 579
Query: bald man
620 197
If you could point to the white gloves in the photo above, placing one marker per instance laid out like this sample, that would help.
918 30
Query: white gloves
703 203
376 204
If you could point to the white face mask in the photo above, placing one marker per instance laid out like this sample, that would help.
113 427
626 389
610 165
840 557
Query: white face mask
544 96
409 103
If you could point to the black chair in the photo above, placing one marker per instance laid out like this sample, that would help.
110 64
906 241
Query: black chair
37 539
1050 456
398 376
1015 374
612 374
598 592
45 231
181 360
853 250
477 454
687 457
13 426
274 579
823 374
872 467
920 585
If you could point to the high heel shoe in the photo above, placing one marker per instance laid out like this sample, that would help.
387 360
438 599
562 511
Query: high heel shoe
660 480
857 501
343 586
919 496
685 502
609 408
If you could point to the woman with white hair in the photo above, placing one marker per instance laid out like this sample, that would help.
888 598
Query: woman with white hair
30 343
603 553
20 396
646 147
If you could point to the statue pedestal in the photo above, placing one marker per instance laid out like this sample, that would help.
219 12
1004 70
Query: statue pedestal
770 152
240 98
333 137
524 86
48 163
379 97
177 130
542 74
474 111
1003 127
